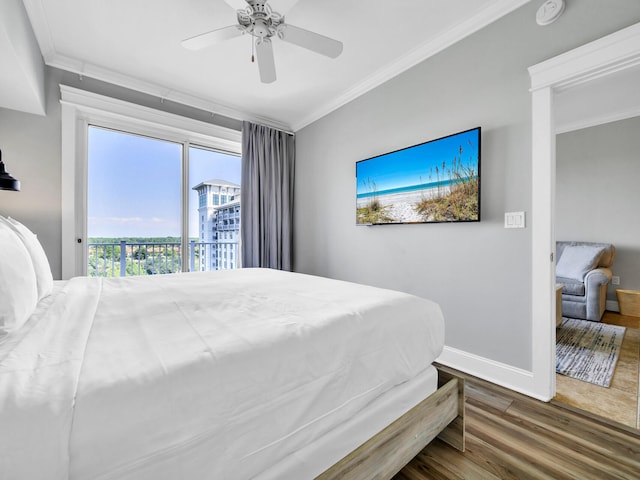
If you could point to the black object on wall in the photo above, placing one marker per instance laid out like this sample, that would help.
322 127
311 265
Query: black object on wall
7 182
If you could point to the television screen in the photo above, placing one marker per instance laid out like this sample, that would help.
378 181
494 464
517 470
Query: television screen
435 181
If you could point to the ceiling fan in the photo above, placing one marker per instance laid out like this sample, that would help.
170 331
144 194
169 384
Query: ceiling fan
256 18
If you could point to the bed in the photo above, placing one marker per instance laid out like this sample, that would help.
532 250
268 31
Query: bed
249 373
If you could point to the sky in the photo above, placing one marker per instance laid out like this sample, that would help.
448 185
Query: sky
134 184
413 166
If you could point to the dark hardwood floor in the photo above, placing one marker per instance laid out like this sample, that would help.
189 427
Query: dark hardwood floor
511 436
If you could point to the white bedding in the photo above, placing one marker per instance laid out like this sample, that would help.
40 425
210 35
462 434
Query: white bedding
311 460
204 375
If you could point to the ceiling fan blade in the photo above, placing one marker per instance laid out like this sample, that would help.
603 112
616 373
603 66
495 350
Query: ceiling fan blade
312 41
211 38
237 4
266 62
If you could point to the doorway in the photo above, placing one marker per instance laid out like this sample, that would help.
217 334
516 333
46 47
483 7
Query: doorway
571 89
596 197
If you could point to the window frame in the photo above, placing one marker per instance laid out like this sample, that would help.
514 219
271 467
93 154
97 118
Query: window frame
81 109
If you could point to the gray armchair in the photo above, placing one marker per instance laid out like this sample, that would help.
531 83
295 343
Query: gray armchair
584 270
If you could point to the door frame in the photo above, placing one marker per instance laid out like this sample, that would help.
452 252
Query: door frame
609 55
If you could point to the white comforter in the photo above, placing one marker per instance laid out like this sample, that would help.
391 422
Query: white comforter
201 375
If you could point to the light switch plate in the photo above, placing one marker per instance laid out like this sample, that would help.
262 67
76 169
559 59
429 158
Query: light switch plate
514 220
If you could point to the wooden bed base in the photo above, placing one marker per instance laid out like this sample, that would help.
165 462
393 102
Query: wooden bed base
382 456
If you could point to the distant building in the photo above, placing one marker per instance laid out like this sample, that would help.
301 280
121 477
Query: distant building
219 232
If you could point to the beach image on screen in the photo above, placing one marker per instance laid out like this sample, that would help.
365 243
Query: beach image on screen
437 181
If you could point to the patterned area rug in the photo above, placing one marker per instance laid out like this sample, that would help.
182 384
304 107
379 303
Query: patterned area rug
588 351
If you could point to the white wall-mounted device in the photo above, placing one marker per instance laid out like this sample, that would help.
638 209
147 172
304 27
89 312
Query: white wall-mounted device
549 12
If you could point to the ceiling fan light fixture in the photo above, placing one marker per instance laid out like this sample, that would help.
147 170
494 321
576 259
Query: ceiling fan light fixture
260 21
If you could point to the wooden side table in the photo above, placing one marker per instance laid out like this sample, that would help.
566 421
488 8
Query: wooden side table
629 302
558 303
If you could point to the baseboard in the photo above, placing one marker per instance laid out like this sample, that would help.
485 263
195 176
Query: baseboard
612 306
507 376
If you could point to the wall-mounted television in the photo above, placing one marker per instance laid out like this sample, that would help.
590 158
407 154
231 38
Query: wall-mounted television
433 182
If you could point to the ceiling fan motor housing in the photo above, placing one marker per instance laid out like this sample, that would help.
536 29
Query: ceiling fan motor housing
259 20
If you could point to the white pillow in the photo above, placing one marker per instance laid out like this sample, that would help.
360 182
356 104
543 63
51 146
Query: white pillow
577 260
18 289
41 266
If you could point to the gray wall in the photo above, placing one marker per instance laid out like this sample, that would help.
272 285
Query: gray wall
598 193
479 273
31 146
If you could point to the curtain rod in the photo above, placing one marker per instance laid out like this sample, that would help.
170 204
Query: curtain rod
272 127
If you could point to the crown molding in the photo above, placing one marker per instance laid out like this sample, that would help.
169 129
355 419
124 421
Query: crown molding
595 120
419 54
615 52
162 92
36 13
104 107
42 32
22 85
40 26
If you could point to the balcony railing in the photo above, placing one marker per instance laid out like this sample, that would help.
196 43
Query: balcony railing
152 258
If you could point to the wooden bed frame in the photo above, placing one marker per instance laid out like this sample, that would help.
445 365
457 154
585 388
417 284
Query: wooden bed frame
382 456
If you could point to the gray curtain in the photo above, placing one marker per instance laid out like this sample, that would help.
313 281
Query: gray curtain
268 158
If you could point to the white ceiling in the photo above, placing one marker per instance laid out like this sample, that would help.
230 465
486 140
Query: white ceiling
136 44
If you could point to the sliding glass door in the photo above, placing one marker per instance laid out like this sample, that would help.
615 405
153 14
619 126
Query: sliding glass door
214 210
133 204
137 210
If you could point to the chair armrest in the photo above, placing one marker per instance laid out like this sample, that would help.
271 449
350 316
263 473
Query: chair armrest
596 277
595 283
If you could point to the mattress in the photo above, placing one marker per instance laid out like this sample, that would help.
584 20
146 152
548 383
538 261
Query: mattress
200 375
314 458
